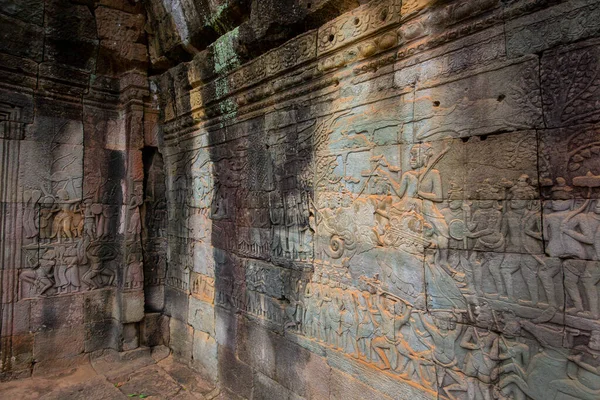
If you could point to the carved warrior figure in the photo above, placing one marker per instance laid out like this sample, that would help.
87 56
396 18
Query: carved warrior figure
419 189
564 231
135 221
40 276
521 226
135 271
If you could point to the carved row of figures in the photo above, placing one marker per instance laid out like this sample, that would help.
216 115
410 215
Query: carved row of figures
64 269
61 218
486 243
498 356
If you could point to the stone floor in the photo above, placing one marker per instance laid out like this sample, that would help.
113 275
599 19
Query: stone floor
110 375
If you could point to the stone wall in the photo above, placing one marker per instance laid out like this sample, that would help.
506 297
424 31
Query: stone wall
400 203
73 100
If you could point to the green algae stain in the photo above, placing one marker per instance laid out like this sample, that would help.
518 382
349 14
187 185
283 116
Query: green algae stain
225 56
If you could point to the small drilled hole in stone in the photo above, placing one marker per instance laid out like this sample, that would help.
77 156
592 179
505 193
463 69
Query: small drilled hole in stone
383 16
501 97
356 21
436 103
331 37
483 137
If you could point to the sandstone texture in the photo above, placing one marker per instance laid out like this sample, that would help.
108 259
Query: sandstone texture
327 199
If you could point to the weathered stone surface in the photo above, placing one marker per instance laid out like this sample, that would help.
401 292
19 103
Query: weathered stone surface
67 342
204 355
563 23
308 199
201 316
21 39
132 306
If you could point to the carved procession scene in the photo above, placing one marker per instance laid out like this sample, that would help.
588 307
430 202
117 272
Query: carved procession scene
327 199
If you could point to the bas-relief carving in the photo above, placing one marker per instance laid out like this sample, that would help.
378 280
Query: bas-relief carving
456 286
458 269
74 244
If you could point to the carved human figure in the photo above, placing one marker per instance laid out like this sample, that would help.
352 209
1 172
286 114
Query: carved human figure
70 259
334 314
444 333
420 189
585 228
394 315
482 359
485 227
295 310
366 325
276 214
41 272
135 271
98 256
293 240
565 246
349 322
135 221
584 379
63 223
30 213
312 296
46 214
521 226
456 217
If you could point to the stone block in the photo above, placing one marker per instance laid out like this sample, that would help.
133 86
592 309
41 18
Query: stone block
53 313
154 330
234 374
264 278
17 350
21 323
132 306
21 39
31 11
106 190
118 25
99 305
457 57
178 303
562 70
266 388
561 24
201 316
481 103
566 154
301 371
60 365
131 336
345 387
59 343
18 71
71 35
204 355
226 328
102 334
503 160
57 128
55 77
257 347
181 338
154 298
